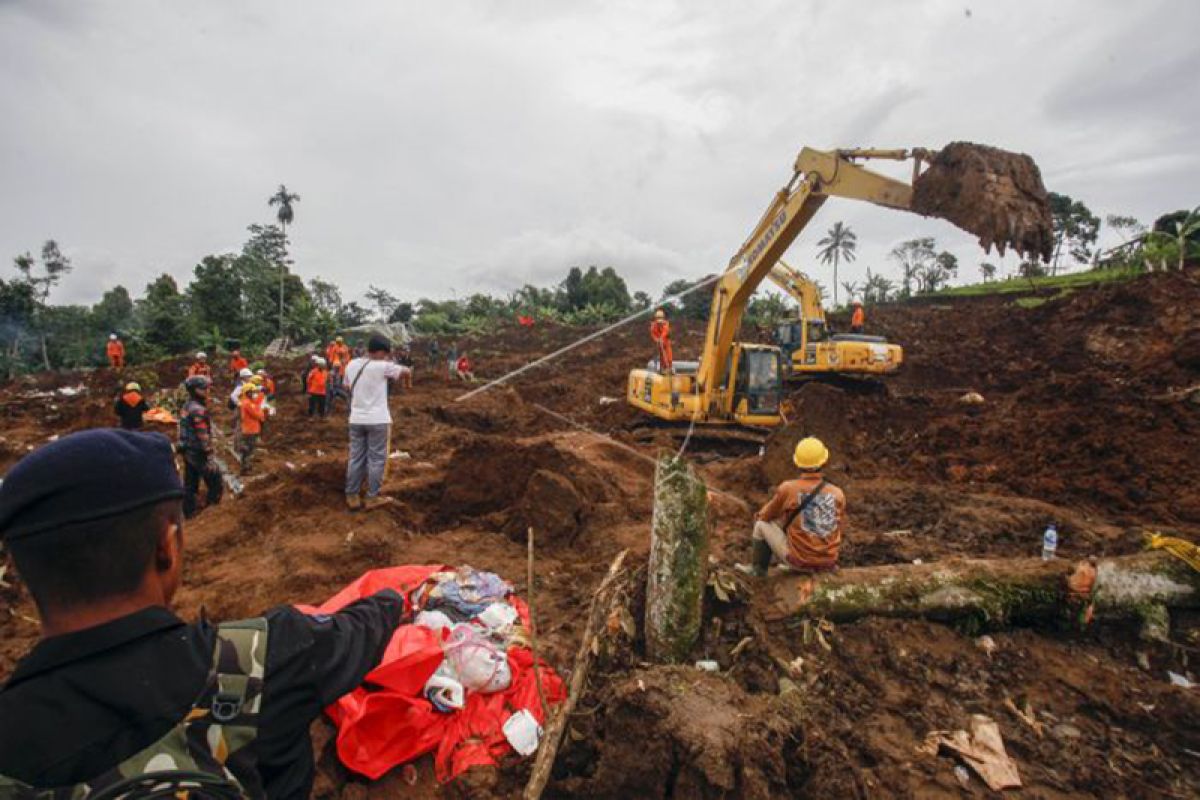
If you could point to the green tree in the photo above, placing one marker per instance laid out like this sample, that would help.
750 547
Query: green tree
641 301
877 289
53 267
17 307
1075 229
403 313
988 270
1181 230
913 256
114 312
1128 228
215 295
164 316
695 305
384 301
284 213
839 244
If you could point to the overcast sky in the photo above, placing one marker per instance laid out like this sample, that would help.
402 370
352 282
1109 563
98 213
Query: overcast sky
453 147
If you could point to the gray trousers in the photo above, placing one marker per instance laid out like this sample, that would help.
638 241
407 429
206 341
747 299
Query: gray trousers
368 458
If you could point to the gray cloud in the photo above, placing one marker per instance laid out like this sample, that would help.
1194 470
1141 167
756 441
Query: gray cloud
480 145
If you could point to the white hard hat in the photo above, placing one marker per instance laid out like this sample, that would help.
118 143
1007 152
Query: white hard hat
245 373
112 336
320 361
201 355
261 372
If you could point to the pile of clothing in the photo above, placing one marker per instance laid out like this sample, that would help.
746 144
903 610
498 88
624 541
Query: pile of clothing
459 680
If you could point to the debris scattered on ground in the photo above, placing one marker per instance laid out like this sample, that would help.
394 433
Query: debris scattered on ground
982 750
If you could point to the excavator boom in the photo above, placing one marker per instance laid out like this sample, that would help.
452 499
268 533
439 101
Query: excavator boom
996 195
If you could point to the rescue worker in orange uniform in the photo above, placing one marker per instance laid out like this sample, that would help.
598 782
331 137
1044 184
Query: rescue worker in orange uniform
253 417
130 407
858 318
802 524
237 363
268 384
200 366
316 386
115 350
660 332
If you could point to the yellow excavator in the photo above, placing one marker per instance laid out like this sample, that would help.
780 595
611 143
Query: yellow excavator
811 349
992 193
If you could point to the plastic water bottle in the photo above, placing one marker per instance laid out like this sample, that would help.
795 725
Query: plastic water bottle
1049 542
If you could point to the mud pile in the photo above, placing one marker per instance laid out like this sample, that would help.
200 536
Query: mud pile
992 193
1087 421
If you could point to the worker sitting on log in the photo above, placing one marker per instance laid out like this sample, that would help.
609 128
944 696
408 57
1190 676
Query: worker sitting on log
119 688
801 526
660 332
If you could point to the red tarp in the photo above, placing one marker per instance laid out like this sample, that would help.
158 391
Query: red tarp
388 721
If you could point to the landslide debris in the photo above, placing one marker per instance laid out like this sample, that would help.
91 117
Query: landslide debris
995 194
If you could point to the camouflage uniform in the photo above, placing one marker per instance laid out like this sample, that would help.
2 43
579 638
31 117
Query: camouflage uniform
215 738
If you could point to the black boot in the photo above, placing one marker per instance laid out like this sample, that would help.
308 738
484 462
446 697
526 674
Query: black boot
760 560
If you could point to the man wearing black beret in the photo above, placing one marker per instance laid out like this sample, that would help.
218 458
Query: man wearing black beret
119 687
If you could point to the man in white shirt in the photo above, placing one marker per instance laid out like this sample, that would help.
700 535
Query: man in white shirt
366 380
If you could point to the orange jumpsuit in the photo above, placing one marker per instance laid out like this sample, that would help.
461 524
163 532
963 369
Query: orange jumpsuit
116 353
857 319
660 332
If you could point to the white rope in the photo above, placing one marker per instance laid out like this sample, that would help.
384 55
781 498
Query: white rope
578 342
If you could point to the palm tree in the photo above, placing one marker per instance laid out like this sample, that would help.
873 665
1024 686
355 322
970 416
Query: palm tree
285 214
838 244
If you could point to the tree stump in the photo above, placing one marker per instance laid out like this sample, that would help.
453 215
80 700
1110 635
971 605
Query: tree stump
678 561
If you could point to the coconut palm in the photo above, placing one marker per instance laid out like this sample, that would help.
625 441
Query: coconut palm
838 245
285 214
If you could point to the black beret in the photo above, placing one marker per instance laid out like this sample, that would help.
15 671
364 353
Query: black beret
86 476
379 344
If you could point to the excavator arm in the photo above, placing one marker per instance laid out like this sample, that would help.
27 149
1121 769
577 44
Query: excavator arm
801 289
991 193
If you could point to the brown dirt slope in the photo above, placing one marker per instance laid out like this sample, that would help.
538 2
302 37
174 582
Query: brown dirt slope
1086 421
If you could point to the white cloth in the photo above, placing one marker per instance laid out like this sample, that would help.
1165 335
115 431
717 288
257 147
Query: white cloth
368 402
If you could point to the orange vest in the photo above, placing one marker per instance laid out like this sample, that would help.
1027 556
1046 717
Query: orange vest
116 348
253 416
199 369
237 364
814 537
858 317
316 381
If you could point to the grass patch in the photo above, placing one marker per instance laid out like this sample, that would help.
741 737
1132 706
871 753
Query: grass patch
1069 281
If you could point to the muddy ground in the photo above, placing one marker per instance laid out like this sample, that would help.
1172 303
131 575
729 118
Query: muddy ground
1086 421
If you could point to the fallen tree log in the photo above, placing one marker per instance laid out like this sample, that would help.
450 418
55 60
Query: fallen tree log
988 592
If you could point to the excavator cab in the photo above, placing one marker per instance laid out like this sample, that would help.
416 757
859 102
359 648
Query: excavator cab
758 387
750 393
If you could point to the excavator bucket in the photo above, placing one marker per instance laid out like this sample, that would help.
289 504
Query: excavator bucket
996 195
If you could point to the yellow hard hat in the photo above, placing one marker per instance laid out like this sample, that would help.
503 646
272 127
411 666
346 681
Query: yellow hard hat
132 387
339 340
660 314
811 453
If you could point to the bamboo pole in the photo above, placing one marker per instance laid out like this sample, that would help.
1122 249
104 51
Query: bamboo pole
597 614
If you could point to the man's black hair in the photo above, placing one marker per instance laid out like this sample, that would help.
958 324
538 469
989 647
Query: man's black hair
88 561
379 344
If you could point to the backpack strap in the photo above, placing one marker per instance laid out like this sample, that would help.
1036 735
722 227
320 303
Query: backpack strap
207 749
805 503
353 383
